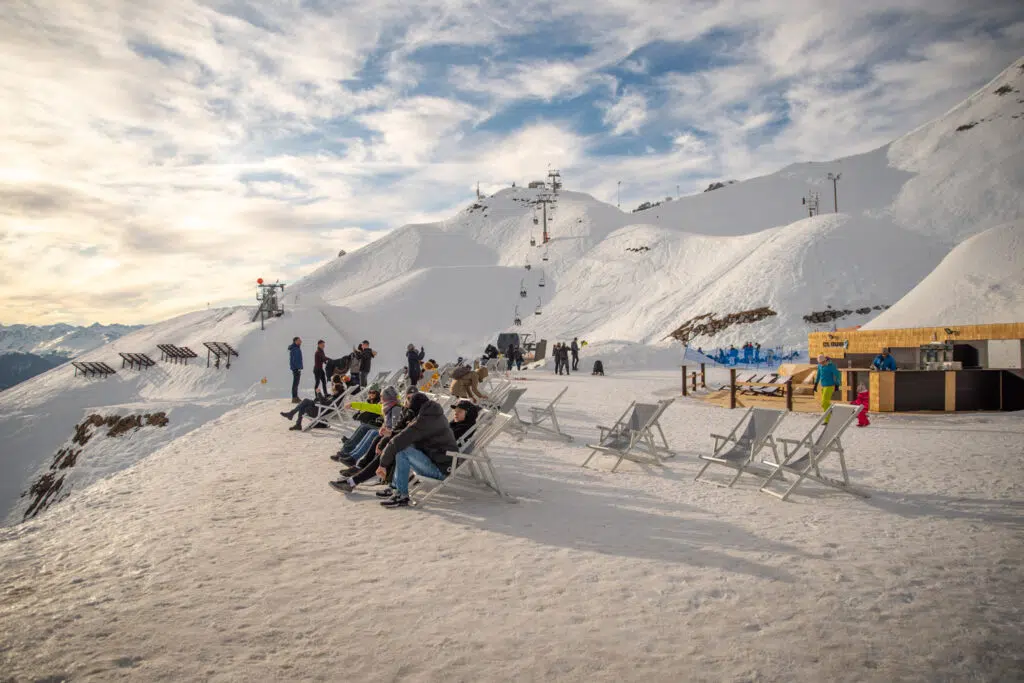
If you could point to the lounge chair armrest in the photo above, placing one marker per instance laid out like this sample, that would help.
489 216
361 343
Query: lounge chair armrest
719 436
792 441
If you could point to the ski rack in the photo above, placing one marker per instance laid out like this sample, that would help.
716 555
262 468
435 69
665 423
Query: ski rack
136 361
176 354
218 350
92 368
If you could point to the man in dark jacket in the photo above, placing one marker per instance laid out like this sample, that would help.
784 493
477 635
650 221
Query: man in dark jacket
295 363
310 407
575 353
365 355
510 356
415 358
421 447
319 359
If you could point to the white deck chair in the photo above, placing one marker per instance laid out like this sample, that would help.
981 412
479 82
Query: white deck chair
540 416
508 407
327 413
632 436
778 387
472 458
739 450
805 459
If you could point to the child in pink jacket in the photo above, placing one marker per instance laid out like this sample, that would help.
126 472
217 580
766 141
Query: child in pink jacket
863 399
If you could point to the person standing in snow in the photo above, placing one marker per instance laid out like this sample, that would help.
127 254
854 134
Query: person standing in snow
365 355
519 360
414 358
734 355
556 350
575 353
864 400
830 380
319 360
295 363
510 356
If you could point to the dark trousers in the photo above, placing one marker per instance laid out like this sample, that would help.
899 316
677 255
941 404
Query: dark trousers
306 406
575 361
362 378
295 382
319 376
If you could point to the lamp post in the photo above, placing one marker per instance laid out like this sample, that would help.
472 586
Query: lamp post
834 177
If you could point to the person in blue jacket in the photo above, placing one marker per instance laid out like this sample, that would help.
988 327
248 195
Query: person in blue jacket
295 363
884 362
830 380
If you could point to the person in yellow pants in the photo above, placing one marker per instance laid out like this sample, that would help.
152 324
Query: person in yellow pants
830 380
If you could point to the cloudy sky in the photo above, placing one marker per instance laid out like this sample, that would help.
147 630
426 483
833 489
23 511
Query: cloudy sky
159 155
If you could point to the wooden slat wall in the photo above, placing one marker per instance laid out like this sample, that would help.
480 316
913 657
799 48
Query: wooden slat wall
882 388
873 341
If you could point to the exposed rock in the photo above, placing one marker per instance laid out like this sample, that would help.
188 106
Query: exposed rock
708 324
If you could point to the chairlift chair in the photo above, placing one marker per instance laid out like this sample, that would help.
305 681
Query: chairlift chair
541 283
545 257
537 311
517 321
533 242
522 288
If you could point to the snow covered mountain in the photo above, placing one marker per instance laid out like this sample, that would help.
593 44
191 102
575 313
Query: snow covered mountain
620 280
987 268
60 339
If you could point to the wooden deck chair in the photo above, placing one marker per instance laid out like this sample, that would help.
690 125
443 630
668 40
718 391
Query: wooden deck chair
539 417
740 379
740 448
325 413
807 454
472 458
632 436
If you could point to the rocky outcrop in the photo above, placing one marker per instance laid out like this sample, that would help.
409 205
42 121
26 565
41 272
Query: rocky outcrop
708 324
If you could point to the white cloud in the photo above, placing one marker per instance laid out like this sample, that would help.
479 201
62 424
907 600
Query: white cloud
627 114
155 156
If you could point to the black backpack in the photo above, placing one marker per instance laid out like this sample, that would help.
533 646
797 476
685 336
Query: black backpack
337 365
598 368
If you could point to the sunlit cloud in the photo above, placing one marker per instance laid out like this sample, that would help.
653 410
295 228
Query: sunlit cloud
157 157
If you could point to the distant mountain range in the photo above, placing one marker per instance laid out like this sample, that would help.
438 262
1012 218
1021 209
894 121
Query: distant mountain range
29 350
60 339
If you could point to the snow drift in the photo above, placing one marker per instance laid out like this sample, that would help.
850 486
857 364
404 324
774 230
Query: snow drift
980 282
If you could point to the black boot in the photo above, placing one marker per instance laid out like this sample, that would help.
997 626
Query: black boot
297 427
342 485
396 501
387 492
288 414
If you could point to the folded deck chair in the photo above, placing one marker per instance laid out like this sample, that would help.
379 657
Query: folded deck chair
332 411
808 453
539 417
778 387
739 450
471 459
756 378
740 379
632 436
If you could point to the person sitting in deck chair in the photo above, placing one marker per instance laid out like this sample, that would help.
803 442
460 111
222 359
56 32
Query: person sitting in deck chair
368 414
364 455
396 420
421 447
466 383
308 406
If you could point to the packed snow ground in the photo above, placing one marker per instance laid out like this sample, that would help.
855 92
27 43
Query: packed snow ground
225 556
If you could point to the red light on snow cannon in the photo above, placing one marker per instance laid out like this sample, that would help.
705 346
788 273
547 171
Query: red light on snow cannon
259 281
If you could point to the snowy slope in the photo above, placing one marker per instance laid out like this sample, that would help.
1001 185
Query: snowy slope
986 268
64 340
616 279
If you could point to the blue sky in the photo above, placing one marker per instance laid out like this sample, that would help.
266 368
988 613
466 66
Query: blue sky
174 149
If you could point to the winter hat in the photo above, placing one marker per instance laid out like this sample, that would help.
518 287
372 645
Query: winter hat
465 405
411 390
374 387
417 402
390 394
